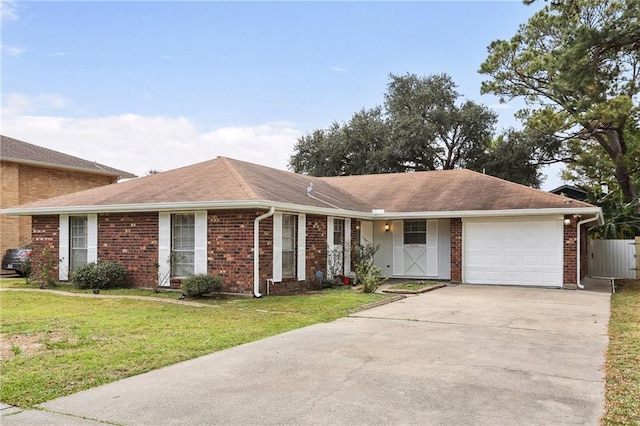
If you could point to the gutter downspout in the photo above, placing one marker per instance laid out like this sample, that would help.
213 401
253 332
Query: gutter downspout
256 251
596 217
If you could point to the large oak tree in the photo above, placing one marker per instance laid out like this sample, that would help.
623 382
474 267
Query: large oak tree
424 124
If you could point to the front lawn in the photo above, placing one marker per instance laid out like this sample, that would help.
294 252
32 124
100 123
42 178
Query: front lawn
414 285
54 345
622 395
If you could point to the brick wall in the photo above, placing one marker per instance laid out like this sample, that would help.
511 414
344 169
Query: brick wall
23 184
45 242
9 225
230 248
570 257
131 239
456 250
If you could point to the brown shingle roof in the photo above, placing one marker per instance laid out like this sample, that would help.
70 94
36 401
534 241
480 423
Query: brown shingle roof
446 190
22 152
226 180
215 181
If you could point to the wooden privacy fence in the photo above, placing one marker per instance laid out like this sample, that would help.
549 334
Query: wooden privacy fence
614 258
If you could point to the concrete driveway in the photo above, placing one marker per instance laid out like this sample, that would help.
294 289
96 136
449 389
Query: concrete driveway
457 355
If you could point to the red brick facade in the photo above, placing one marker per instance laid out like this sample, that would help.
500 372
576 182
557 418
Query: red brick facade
456 250
570 271
131 239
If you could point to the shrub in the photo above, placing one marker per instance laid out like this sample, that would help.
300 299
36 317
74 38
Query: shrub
99 275
372 279
44 264
201 284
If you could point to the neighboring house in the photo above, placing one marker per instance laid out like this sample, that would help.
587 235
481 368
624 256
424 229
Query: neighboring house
570 191
255 226
30 173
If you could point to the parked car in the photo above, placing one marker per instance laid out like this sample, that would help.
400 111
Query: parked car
14 259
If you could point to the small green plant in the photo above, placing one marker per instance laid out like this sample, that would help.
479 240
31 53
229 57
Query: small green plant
44 264
367 274
201 284
99 275
17 350
26 268
372 280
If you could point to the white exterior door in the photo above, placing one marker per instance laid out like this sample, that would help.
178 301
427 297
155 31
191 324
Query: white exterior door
523 252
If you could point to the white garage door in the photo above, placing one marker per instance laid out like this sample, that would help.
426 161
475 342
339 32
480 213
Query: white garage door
525 253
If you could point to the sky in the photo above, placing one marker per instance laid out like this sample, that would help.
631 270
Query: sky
156 85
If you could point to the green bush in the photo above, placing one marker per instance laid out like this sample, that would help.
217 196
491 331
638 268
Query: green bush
201 284
99 275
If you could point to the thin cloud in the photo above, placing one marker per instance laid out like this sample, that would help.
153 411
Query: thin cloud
140 143
18 103
8 10
57 54
338 69
13 50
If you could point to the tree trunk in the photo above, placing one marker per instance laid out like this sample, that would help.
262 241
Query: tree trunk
624 180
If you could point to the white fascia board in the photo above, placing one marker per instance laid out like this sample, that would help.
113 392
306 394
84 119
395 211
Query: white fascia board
297 208
173 207
490 213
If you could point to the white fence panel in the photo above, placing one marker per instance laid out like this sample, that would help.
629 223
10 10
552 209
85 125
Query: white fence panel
612 258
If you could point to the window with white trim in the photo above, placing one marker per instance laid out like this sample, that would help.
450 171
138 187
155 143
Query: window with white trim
78 241
338 232
415 232
289 246
182 245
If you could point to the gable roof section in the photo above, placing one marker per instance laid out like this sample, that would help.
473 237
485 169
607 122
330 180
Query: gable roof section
447 190
228 183
18 151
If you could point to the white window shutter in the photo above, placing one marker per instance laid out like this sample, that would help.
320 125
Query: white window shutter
302 247
277 247
92 238
397 228
347 246
63 247
366 232
432 248
329 244
164 249
200 240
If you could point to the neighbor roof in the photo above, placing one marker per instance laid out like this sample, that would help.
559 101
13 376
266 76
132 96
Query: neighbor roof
228 183
18 151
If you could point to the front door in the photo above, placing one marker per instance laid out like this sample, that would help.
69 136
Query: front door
415 248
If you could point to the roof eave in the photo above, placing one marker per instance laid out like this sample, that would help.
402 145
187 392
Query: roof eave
325 211
179 206
593 210
120 174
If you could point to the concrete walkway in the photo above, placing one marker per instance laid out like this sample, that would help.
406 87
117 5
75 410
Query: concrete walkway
457 355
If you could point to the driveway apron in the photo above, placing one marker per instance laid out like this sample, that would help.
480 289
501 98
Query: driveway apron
457 355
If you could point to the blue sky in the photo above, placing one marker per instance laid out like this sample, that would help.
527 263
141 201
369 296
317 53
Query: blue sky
157 85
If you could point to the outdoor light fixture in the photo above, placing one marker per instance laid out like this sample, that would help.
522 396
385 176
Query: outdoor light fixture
386 227
567 222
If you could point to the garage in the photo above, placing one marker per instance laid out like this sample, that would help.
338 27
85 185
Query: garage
526 252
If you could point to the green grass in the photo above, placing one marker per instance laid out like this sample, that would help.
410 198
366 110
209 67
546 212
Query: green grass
88 342
413 285
622 390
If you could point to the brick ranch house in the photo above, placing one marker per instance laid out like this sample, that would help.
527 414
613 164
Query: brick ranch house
264 230
30 173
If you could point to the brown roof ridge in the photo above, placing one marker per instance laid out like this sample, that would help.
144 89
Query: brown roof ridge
240 180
